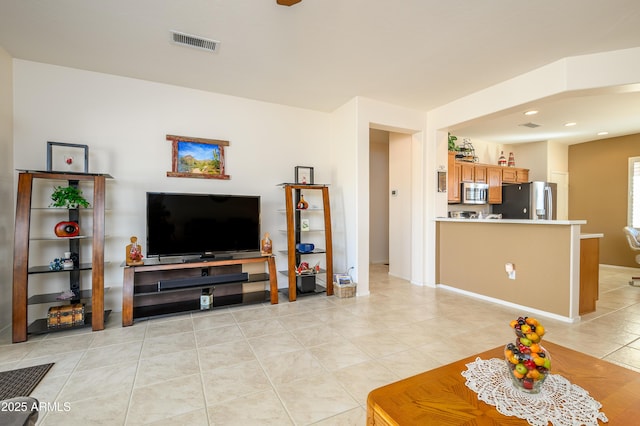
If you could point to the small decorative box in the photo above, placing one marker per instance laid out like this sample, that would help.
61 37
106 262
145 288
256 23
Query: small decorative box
65 315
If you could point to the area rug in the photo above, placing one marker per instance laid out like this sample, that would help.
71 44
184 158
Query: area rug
21 382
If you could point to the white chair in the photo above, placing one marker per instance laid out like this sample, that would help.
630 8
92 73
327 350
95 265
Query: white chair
633 236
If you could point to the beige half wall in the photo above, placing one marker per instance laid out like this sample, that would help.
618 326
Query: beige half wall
473 253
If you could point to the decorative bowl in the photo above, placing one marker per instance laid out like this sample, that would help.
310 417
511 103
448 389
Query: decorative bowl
528 366
305 247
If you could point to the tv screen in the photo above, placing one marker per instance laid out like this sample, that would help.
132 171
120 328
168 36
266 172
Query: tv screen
201 224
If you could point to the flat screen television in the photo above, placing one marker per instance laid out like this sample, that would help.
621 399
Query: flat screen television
208 225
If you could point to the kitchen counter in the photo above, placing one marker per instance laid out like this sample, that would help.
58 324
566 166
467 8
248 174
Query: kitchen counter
519 221
587 236
556 266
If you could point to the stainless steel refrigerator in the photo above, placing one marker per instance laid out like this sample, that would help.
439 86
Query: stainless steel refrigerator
532 200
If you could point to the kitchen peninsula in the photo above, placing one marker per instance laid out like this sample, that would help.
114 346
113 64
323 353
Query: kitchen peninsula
555 267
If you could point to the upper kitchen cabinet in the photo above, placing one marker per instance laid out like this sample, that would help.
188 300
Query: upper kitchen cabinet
509 175
467 172
480 173
514 175
494 179
522 175
494 176
453 179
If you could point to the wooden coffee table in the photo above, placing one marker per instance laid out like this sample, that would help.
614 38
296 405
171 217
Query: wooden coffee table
440 397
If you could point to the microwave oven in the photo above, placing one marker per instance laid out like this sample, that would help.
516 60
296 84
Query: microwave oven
474 193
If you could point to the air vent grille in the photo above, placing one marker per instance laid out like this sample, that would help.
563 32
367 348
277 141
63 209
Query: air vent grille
194 41
530 125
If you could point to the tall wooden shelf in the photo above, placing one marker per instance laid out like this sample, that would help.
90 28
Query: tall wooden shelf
292 196
22 270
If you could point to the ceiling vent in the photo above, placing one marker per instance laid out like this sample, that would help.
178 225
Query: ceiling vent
196 42
530 125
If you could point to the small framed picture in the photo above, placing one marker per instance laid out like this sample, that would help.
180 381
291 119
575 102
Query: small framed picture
304 175
442 181
67 157
304 225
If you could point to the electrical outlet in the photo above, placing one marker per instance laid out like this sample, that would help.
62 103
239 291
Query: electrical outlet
510 269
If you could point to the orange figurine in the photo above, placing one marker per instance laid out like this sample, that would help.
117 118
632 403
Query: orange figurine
134 253
266 246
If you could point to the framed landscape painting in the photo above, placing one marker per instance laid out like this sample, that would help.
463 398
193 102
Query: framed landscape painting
197 157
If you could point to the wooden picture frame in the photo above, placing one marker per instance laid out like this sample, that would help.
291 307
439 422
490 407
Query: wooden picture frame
197 158
67 157
304 175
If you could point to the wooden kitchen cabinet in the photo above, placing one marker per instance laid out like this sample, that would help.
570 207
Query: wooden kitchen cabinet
515 175
494 179
467 172
522 175
494 176
509 175
453 179
589 274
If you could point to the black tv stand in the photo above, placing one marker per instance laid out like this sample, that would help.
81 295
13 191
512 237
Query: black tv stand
141 297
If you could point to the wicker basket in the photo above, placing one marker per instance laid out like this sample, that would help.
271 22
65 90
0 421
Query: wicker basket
344 290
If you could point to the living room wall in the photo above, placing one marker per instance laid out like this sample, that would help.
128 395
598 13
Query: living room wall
598 188
124 121
6 187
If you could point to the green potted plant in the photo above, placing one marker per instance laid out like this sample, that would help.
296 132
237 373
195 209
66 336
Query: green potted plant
69 197
452 142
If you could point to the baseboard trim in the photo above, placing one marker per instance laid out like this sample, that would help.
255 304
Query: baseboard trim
537 312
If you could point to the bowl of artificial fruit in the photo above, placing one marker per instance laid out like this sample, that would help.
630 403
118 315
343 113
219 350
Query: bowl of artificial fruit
529 362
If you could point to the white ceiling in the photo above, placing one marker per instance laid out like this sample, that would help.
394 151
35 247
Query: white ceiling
318 54
614 111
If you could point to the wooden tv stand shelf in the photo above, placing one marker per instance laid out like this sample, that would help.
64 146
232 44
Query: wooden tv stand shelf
151 273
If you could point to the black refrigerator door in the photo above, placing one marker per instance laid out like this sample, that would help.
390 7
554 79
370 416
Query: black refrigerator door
515 201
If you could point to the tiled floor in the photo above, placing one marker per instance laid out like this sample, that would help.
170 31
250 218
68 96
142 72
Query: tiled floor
309 362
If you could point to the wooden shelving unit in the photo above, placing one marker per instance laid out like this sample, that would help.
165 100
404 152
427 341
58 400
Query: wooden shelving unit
292 196
22 270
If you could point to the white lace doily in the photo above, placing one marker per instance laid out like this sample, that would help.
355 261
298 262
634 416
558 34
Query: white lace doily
558 402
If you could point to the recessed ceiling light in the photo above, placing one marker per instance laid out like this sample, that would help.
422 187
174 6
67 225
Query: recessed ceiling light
572 123
532 112
603 133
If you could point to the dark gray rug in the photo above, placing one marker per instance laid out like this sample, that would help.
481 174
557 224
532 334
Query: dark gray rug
21 382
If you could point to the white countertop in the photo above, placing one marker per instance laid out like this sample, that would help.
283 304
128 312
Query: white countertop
518 221
586 236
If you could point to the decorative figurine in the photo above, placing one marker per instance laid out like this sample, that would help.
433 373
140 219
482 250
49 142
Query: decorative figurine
67 229
67 264
303 269
302 204
134 253
55 264
266 246
501 160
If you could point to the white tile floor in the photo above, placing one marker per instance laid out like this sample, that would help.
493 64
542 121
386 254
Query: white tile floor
309 362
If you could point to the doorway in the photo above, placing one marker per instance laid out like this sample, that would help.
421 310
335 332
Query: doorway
562 198
390 201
